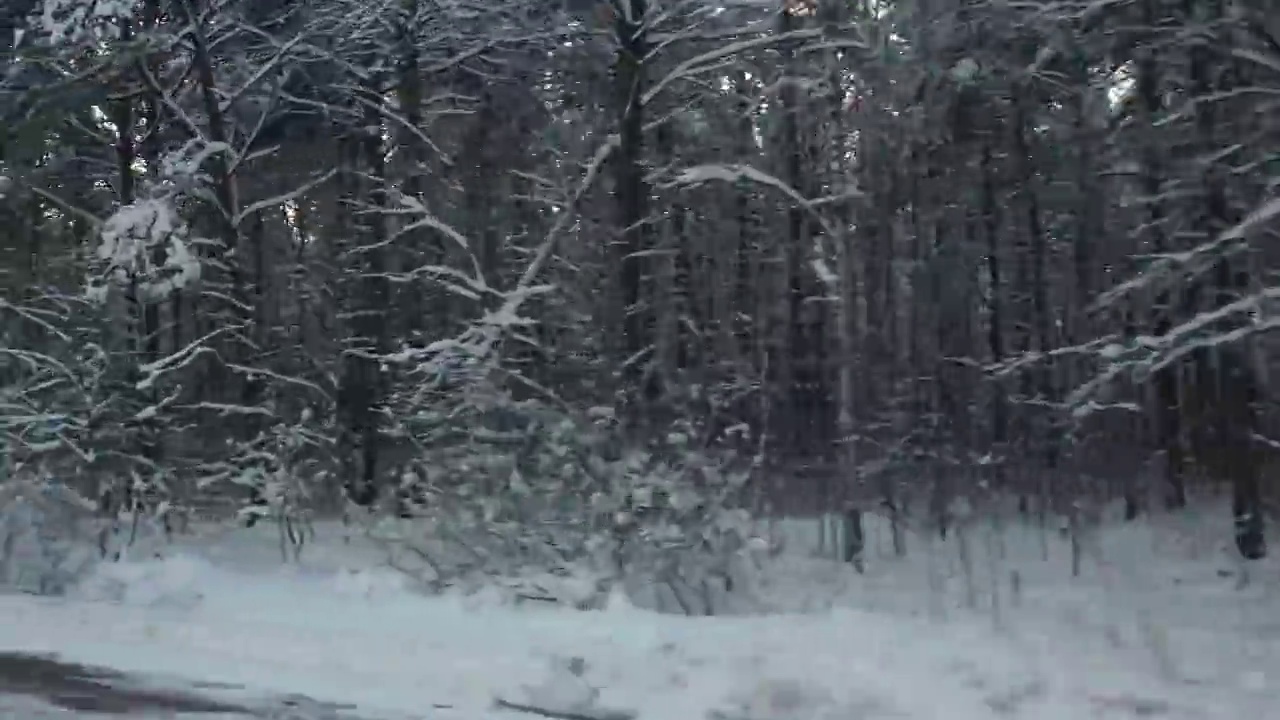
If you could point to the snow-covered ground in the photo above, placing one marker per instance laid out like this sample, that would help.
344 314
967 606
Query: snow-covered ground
1157 625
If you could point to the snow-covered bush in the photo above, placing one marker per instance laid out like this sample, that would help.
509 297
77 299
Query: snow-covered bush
279 472
62 424
144 247
549 503
48 535
51 391
677 525
177 581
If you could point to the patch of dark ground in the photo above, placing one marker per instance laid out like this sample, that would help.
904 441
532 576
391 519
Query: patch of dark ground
94 691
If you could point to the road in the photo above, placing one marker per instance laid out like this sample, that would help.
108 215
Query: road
42 686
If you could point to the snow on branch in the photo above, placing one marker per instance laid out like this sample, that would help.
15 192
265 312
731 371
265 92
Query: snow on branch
1198 332
1147 354
147 243
1027 360
33 361
711 59
37 317
283 198
1164 270
1268 212
1193 261
478 343
77 21
699 174
1141 356
525 286
415 207
731 173
183 357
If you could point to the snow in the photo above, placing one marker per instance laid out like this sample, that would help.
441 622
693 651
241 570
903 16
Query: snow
1159 623
68 21
130 237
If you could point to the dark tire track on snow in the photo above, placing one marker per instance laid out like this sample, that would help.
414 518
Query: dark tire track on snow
85 688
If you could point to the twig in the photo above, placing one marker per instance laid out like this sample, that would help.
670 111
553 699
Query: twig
601 714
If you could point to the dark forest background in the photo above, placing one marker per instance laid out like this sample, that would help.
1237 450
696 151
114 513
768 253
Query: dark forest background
522 258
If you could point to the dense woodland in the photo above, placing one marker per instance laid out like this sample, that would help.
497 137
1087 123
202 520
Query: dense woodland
523 258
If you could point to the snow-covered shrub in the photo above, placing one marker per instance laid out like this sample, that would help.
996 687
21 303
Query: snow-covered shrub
278 472
676 524
51 408
173 582
48 535
145 247
548 503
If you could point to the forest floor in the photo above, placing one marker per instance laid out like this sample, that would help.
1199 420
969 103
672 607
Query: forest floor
1159 624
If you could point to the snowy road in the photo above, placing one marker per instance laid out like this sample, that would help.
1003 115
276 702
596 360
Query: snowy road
43 686
77 687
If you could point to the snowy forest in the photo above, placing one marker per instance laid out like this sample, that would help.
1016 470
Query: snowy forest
641 266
